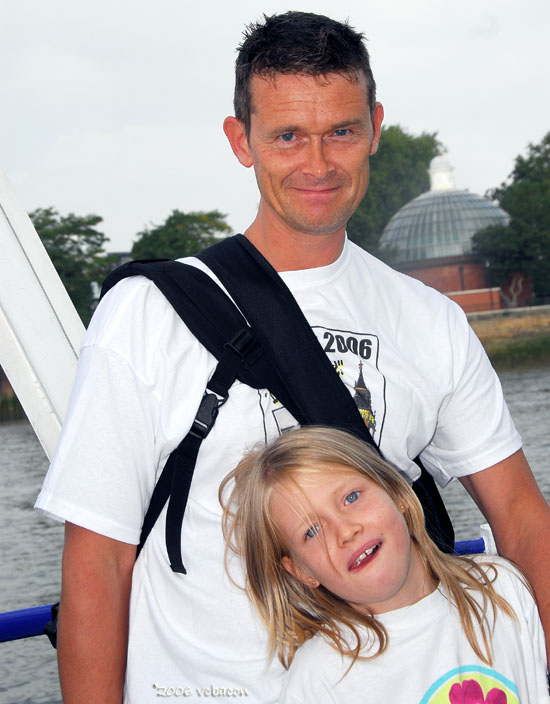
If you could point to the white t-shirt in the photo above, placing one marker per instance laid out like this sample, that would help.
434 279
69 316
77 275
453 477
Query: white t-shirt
429 659
406 353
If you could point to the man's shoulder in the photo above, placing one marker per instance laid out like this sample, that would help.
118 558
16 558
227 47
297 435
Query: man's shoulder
385 273
139 291
136 309
397 293
130 302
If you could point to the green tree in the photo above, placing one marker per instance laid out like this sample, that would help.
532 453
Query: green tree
399 173
524 245
76 249
181 235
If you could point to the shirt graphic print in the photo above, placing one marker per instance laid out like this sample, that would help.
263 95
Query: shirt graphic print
354 357
472 685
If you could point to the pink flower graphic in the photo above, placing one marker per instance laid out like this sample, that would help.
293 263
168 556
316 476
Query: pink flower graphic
470 692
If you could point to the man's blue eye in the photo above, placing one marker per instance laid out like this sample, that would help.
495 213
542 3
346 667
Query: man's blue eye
341 133
287 136
350 498
312 532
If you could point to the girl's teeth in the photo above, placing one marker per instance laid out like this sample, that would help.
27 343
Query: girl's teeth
365 554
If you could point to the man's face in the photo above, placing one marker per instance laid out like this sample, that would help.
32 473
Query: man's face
310 141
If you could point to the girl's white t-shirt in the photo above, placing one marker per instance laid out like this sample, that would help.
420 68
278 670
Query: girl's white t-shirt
429 659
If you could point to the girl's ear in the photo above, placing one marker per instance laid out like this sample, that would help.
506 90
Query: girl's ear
298 572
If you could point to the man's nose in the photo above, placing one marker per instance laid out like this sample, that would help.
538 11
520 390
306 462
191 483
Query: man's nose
317 163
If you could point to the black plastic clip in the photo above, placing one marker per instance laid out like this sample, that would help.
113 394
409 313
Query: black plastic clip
206 414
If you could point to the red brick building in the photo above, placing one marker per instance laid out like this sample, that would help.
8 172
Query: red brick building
432 236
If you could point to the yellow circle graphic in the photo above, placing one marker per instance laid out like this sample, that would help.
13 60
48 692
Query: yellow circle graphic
472 685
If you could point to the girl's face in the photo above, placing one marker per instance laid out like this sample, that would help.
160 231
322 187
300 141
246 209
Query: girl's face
343 531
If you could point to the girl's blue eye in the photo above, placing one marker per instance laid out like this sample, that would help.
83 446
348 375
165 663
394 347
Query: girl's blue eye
312 532
350 498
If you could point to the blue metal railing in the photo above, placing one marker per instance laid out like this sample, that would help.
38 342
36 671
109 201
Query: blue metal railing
470 547
24 623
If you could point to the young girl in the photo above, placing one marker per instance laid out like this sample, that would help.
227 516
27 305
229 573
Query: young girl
358 602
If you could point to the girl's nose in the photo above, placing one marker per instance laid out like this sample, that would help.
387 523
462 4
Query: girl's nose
348 530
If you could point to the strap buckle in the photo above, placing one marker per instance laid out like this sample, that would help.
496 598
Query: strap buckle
206 414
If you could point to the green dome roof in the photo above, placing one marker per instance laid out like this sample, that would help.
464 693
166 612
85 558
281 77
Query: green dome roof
441 222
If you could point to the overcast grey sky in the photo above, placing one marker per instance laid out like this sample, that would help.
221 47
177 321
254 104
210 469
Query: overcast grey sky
116 107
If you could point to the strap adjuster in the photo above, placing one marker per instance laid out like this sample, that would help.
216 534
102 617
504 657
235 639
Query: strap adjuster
243 343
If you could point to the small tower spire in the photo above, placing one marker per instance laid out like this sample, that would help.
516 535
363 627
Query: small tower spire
441 174
363 402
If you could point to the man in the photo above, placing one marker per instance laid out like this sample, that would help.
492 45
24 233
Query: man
307 121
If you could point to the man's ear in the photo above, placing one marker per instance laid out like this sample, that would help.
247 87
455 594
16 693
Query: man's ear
377 117
236 134
298 572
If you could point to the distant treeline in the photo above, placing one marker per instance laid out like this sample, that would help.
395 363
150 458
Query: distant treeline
10 408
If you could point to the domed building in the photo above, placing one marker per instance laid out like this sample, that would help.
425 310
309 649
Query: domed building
432 236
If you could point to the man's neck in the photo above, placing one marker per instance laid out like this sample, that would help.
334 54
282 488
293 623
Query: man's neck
288 250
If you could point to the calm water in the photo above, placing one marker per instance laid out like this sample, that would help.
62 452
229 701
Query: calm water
528 396
30 545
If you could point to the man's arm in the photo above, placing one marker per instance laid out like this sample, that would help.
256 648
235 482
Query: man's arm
93 616
509 498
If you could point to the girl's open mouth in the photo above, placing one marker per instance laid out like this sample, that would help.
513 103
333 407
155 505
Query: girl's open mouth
365 557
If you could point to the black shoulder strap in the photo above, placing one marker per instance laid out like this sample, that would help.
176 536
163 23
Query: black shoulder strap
285 335
207 311
216 322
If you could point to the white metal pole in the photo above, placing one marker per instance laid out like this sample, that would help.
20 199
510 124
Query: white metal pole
40 330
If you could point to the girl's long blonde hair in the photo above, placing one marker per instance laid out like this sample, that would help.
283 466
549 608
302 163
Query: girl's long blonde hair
293 612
